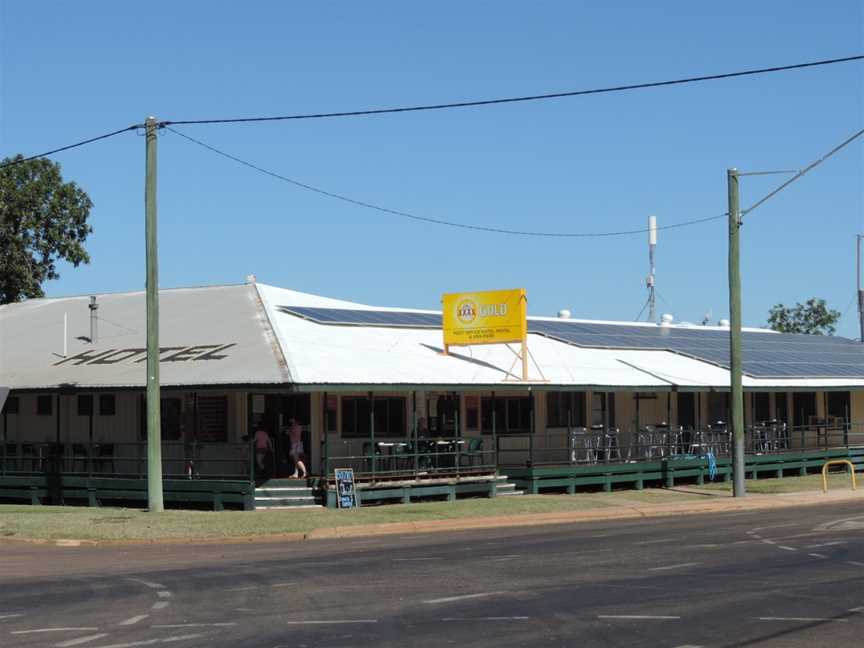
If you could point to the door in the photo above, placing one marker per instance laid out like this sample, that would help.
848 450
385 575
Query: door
687 409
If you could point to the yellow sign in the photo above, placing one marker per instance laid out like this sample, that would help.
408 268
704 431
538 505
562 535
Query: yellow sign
489 317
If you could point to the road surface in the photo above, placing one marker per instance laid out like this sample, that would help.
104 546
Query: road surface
786 578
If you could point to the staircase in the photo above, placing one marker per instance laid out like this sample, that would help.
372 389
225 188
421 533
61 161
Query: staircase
286 494
506 488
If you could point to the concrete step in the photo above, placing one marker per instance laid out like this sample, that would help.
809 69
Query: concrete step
300 491
283 482
270 502
511 493
290 508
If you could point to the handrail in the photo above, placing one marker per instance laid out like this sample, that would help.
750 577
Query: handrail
835 462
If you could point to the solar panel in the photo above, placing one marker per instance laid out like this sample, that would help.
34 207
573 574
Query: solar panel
765 355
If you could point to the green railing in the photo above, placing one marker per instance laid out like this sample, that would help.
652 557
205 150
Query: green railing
602 445
194 460
410 458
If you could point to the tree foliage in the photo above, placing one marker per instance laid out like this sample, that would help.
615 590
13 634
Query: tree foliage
813 317
42 220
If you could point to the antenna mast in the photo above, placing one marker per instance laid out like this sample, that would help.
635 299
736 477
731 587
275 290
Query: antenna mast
652 243
860 292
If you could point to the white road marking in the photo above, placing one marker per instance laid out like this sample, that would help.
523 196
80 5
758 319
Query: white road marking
415 559
638 617
463 597
10 616
150 642
858 609
160 605
247 588
163 594
133 620
786 548
679 566
334 622
771 542
688 646
282 584
817 555
80 640
488 618
195 625
150 584
800 619
650 542
826 544
855 563
21 632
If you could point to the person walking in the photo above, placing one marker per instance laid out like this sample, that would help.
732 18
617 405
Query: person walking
295 450
263 447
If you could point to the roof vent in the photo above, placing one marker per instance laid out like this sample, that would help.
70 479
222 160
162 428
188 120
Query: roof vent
724 323
666 319
563 314
251 278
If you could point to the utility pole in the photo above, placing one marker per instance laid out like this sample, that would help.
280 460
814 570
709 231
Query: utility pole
155 501
860 292
737 393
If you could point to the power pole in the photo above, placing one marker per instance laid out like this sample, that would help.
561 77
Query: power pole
737 393
860 292
155 501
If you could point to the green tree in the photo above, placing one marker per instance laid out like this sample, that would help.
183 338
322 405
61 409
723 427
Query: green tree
42 220
814 318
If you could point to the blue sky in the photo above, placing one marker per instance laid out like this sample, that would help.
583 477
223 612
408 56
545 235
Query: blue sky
69 71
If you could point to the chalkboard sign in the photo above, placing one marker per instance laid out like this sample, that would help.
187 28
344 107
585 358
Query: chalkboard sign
346 495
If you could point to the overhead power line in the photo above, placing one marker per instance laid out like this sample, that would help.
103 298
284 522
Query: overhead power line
435 221
507 100
803 172
70 146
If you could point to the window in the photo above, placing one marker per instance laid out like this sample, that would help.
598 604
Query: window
512 414
330 413
803 408
85 404
355 416
781 410
718 407
389 417
212 419
837 404
170 413
472 413
44 405
11 405
603 409
565 409
107 405
761 406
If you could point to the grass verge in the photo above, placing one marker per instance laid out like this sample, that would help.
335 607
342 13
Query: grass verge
23 522
810 483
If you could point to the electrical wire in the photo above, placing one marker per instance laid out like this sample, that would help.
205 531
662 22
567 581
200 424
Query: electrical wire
70 146
426 219
803 171
507 100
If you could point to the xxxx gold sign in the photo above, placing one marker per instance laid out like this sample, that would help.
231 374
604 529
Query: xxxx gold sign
489 317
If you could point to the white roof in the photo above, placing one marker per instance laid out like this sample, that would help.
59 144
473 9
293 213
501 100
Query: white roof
239 335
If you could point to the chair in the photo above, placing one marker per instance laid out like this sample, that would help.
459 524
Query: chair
104 456
473 454
80 453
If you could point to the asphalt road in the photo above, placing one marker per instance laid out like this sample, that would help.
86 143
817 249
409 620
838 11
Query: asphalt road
791 577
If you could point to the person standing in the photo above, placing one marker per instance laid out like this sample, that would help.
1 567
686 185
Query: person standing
295 450
263 447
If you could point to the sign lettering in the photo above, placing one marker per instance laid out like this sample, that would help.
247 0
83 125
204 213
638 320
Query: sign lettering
489 317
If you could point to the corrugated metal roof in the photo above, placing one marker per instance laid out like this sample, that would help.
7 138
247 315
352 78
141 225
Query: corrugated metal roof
233 335
209 336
